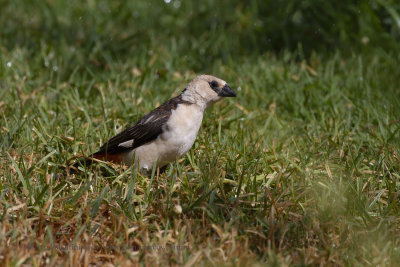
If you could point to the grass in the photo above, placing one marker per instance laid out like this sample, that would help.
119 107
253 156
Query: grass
302 168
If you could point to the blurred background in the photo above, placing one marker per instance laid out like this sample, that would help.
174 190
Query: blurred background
203 33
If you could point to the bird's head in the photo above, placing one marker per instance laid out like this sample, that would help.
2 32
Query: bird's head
207 89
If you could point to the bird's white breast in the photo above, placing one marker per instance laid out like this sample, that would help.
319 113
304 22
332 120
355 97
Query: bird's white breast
182 128
178 136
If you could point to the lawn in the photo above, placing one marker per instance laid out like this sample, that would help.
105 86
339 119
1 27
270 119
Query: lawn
301 168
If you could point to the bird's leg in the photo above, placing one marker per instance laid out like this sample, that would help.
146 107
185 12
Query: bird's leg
163 169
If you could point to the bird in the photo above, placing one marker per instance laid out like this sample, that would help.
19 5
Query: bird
167 132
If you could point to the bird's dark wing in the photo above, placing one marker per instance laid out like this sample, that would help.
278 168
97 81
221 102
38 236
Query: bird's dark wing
147 129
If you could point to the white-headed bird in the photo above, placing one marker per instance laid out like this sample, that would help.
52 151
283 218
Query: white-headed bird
167 132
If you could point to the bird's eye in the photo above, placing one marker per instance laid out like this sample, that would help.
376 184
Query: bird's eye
214 84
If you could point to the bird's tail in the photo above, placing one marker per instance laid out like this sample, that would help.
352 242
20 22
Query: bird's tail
81 162
98 157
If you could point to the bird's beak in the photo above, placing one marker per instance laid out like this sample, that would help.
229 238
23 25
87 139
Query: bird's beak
226 91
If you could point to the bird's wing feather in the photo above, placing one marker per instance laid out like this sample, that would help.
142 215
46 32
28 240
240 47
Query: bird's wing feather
147 129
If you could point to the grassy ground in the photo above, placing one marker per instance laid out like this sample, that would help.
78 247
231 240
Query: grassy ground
301 168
